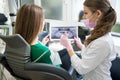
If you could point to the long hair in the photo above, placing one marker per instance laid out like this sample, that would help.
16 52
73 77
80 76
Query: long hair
105 22
29 22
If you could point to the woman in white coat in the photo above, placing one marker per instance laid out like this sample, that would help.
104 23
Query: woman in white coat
98 49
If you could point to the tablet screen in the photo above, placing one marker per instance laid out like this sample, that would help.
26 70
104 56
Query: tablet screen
57 31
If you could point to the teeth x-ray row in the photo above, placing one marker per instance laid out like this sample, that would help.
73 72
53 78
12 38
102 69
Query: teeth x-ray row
56 32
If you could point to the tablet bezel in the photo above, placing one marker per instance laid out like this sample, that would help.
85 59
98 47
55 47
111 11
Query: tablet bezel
62 26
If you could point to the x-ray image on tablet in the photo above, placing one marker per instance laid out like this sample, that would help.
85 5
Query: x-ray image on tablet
57 31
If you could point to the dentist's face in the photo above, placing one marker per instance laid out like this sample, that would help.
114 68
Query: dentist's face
88 14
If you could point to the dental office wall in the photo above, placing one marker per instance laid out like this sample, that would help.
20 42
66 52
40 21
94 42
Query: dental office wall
71 8
4 9
68 9
115 4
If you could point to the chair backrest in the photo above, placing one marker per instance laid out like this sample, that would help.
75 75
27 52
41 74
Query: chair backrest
16 59
17 53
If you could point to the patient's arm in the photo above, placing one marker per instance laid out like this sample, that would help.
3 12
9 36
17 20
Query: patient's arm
45 40
44 37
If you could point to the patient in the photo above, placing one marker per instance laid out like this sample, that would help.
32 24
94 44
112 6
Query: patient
29 24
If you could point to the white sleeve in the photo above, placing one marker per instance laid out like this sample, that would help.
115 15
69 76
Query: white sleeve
91 57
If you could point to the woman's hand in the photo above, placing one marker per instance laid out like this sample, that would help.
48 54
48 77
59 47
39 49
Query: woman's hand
78 42
65 42
45 40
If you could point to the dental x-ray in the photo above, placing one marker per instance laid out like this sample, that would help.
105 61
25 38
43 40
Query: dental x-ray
57 31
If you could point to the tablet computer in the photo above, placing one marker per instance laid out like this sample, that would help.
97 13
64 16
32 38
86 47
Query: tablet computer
57 31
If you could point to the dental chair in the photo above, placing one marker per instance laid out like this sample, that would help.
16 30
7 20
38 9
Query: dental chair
16 59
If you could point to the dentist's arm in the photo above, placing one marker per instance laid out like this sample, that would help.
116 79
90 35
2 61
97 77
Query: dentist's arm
64 41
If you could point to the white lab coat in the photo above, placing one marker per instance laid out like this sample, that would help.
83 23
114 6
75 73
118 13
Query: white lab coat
96 59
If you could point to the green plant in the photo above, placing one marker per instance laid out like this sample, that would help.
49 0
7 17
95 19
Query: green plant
116 28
